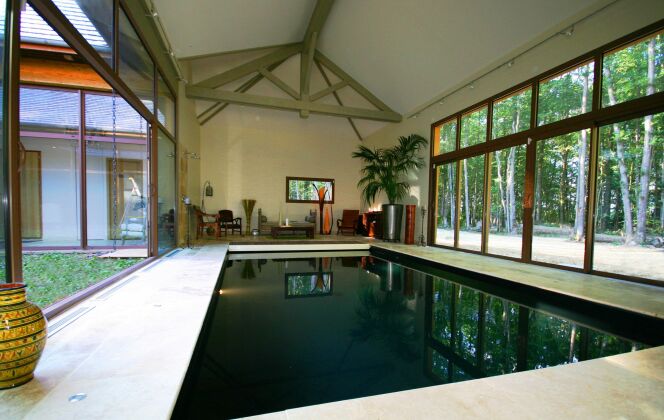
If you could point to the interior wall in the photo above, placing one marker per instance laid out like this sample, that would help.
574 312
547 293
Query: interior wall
615 21
248 152
188 137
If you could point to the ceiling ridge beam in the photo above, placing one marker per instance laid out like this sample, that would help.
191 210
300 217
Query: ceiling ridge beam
196 92
336 96
220 106
279 83
250 67
316 23
331 88
357 86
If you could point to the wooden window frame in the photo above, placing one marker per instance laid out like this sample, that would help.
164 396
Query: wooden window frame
595 118
304 178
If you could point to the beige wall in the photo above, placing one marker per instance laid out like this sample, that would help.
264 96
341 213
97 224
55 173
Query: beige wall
248 152
617 20
189 169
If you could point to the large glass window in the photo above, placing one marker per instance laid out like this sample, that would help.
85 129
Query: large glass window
94 20
167 193
473 127
471 189
561 190
630 198
445 137
511 114
117 172
566 95
135 65
633 71
50 169
508 168
165 105
445 204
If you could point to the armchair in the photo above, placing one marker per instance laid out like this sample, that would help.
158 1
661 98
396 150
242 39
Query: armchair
348 222
227 221
205 221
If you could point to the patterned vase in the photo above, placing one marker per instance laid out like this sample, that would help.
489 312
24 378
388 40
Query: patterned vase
22 336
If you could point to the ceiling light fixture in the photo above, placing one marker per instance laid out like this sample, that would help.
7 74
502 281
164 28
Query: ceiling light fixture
471 86
568 32
510 64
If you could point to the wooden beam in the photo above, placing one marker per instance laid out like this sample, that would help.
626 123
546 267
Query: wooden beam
316 22
249 67
352 82
329 89
196 92
279 83
306 62
218 107
230 52
336 96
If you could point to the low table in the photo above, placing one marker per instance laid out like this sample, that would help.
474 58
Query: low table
307 228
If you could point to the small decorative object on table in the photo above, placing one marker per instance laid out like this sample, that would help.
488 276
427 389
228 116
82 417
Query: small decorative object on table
23 335
248 205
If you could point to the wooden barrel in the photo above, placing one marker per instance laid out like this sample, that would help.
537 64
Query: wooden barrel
22 336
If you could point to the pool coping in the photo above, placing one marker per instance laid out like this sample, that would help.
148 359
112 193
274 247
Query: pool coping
621 294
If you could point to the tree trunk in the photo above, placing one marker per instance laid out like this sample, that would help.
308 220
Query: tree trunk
580 214
465 189
538 182
503 203
605 205
622 168
661 209
511 194
562 200
452 196
644 184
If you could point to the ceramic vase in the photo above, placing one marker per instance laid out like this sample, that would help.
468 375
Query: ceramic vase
22 336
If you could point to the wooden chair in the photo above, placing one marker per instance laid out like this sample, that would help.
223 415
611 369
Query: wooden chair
348 221
227 221
205 221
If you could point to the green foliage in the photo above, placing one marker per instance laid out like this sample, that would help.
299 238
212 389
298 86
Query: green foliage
53 276
385 168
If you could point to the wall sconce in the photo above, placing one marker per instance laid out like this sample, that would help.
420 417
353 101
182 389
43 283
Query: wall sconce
207 188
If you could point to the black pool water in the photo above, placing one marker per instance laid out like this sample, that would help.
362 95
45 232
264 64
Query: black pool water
289 332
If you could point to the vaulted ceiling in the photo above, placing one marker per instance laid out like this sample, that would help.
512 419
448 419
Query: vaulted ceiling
405 52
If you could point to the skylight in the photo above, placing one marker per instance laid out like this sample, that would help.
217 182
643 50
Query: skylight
34 29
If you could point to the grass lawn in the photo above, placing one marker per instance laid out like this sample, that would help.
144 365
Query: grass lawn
53 276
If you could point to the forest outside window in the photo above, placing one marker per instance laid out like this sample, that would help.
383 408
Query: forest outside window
633 71
305 190
511 114
473 127
445 204
446 135
566 95
629 222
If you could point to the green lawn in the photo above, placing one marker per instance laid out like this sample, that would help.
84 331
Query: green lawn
53 276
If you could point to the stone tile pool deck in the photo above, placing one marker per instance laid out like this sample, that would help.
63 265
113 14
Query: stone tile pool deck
128 348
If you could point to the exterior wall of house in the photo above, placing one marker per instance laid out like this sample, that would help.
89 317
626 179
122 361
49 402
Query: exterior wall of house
617 20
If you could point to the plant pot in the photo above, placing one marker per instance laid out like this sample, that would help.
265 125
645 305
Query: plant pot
392 217
23 335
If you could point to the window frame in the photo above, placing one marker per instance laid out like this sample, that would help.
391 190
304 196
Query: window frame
593 119
304 178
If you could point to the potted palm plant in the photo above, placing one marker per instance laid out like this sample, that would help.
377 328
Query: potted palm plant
384 171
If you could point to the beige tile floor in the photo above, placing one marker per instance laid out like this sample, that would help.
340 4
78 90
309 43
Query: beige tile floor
129 352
